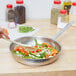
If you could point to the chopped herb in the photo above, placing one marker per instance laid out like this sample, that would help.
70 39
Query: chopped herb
25 29
42 55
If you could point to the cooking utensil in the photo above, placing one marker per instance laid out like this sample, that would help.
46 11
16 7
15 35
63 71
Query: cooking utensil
27 47
30 40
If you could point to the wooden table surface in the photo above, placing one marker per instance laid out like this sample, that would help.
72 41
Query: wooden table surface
65 65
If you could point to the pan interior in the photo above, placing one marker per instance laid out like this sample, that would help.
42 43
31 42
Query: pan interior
31 41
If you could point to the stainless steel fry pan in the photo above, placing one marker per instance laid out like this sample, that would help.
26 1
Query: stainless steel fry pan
30 40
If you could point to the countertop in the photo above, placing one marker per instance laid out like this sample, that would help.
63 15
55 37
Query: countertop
65 65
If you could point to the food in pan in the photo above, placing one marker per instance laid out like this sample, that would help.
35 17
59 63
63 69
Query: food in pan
43 50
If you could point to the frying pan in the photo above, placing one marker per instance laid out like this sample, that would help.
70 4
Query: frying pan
30 41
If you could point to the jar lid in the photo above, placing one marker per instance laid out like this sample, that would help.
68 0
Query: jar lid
63 11
57 2
9 6
19 1
74 3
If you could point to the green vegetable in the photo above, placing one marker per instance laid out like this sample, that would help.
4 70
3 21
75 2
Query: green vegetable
36 43
32 54
42 55
44 45
49 49
39 45
41 52
55 48
40 48
25 29
27 57
35 57
18 53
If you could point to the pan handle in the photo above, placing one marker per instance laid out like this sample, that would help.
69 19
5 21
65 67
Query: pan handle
60 32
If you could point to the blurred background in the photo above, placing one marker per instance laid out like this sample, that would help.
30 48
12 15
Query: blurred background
35 9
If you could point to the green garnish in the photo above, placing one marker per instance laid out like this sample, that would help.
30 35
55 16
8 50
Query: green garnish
18 53
25 29
44 45
42 55
55 48
27 57
49 49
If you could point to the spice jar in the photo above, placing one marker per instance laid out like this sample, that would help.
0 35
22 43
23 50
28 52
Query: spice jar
20 12
63 19
72 16
55 11
10 14
67 5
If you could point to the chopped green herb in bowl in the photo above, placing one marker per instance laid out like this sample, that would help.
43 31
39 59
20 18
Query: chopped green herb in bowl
25 29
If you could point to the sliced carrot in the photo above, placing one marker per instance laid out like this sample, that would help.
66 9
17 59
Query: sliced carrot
53 54
44 44
55 51
48 46
36 46
6 31
22 51
46 56
26 53
19 48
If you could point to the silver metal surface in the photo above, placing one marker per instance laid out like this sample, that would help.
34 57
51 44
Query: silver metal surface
28 47
63 30
35 62
30 41
13 41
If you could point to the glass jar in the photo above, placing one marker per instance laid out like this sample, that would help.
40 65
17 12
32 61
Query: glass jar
10 14
67 5
72 16
55 11
20 12
63 19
